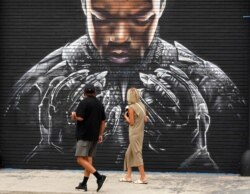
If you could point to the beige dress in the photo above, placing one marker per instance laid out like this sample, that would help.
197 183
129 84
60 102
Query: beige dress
133 156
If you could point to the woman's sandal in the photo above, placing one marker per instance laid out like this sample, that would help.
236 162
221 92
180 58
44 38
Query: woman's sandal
139 181
125 179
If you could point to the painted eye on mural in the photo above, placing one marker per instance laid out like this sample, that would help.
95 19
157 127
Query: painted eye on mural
144 20
97 18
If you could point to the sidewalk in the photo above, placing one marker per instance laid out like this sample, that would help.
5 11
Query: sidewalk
15 181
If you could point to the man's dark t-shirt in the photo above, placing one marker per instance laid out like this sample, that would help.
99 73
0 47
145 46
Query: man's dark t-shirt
92 112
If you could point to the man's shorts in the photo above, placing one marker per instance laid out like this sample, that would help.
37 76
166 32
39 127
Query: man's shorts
85 148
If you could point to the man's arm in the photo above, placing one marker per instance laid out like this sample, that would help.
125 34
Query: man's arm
74 117
101 131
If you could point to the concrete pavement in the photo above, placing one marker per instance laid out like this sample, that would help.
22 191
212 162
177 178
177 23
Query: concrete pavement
16 181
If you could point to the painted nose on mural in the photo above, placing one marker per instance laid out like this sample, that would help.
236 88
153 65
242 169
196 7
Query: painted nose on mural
119 44
120 34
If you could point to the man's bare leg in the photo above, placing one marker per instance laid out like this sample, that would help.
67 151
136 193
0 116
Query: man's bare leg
86 163
86 172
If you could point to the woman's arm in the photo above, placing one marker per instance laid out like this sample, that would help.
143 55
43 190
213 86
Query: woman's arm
130 118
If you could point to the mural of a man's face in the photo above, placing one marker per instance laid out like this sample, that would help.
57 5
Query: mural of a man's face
122 30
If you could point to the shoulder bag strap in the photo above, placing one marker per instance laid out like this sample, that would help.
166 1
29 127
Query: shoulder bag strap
141 108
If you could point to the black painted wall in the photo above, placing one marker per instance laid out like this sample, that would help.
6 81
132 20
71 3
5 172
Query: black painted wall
213 30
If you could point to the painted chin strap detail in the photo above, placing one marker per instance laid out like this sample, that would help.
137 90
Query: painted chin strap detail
165 82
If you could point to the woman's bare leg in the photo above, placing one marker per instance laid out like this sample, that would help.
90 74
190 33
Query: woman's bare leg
142 172
129 173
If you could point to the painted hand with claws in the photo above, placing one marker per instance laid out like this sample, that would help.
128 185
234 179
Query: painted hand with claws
171 91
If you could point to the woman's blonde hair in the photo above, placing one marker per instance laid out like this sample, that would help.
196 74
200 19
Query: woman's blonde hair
133 96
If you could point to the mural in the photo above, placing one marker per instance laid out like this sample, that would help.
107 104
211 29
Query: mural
122 48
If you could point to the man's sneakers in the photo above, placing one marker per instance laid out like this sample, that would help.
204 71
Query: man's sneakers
100 182
82 187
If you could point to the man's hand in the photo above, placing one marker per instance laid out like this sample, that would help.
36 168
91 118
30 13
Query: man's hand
100 139
73 116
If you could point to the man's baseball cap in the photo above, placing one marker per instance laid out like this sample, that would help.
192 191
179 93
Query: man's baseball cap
89 88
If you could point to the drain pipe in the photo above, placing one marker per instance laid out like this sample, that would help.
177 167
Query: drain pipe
245 160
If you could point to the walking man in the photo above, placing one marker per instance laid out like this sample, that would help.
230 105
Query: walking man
90 118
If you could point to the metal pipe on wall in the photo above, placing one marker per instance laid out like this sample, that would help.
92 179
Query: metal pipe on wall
245 160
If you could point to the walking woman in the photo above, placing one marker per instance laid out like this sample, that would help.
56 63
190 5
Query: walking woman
136 118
